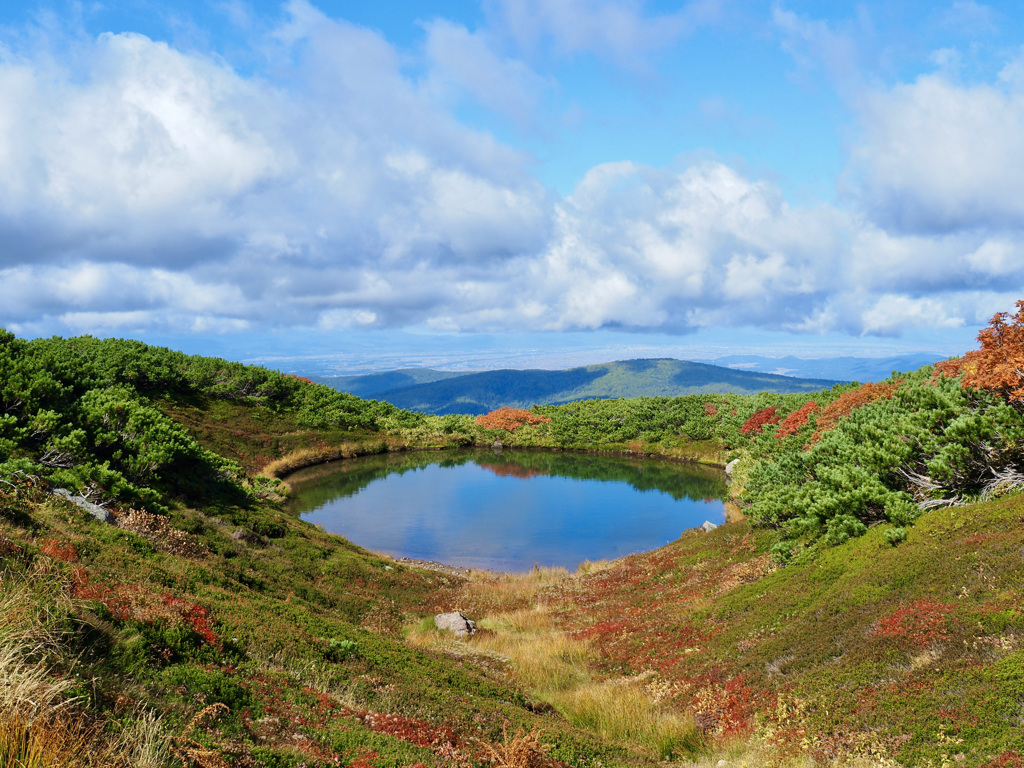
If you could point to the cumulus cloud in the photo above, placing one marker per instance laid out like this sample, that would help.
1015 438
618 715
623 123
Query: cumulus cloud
321 184
143 187
937 156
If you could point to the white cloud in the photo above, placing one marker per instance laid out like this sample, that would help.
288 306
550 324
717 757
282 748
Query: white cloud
815 44
936 156
618 29
466 61
891 314
146 187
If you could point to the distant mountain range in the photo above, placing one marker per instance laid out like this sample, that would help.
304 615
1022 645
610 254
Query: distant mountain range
442 392
860 369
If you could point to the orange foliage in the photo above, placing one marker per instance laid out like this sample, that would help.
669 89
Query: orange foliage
710 409
999 365
844 405
796 420
510 419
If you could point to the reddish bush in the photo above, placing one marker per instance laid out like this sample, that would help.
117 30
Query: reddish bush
845 404
710 409
999 365
1009 759
510 419
303 379
922 622
761 419
797 420
59 550
132 603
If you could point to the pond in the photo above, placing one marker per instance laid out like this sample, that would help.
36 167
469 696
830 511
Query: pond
509 510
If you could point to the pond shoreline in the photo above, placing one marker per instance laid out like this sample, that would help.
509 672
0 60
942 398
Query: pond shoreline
470 509
295 461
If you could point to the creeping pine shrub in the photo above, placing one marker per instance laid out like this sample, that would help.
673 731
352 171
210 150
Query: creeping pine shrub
897 451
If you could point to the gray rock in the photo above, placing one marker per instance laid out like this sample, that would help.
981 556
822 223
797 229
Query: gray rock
101 514
708 526
731 466
457 622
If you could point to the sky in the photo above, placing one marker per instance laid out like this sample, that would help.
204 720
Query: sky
511 183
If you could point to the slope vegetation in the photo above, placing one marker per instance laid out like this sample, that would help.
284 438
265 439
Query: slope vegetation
866 611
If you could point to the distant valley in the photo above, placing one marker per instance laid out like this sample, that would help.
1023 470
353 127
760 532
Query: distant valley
442 392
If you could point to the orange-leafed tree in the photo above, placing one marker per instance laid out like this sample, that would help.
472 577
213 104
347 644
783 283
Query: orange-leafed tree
999 365
510 419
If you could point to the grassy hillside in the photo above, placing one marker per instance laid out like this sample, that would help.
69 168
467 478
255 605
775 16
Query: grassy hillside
865 654
867 609
478 393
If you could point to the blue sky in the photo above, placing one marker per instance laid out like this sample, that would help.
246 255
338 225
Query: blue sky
512 182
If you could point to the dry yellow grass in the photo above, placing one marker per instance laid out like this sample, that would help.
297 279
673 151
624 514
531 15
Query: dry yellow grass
522 750
624 711
556 667
306 457
497 593
40 726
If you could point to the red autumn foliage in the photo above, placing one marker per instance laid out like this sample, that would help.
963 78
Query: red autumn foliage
922 622
131 603
845 404
59 550
303 379
797 420
710 409
1009 759
510 419
999 365
761 419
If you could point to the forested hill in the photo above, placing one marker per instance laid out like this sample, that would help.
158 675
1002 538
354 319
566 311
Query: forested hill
480 392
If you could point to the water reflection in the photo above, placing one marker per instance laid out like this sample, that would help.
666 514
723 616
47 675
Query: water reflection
511 509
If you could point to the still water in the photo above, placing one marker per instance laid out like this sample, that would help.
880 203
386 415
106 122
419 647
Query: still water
510 510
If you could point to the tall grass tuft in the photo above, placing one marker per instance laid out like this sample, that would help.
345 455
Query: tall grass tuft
624 711
41 726
556 666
